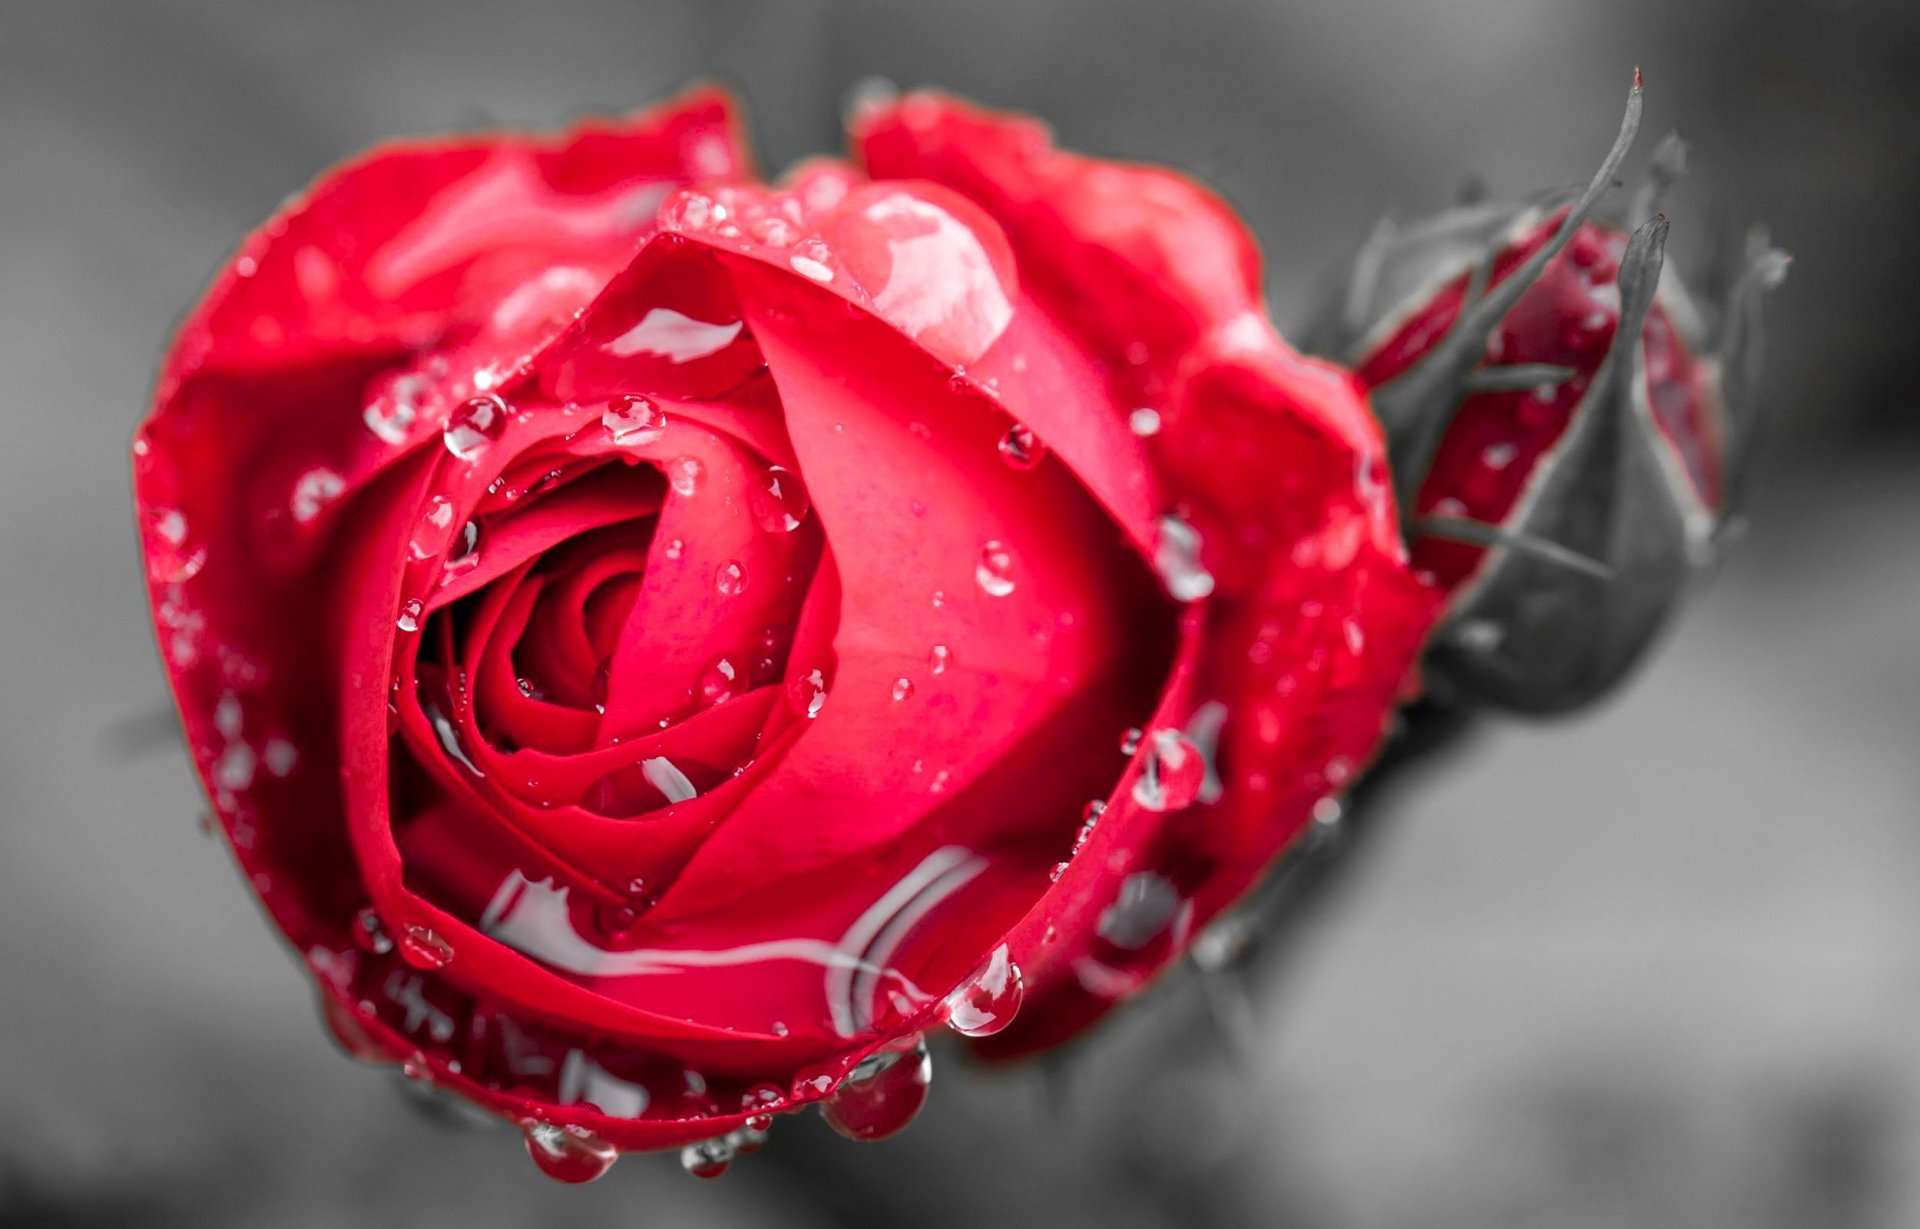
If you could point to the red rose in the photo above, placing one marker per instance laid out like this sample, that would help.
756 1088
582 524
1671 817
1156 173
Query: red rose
655 649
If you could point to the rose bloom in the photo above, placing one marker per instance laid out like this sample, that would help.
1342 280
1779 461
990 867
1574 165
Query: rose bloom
657 643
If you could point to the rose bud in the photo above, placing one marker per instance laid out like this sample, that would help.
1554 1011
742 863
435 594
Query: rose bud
660 644
1570 430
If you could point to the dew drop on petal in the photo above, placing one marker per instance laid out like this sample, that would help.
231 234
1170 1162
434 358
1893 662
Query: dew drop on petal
1021 448
313 491
1130 739
174 554
707 1159
779 500
568 1153
986 1002
1171 773
1177 559
465 555
809 260
730 578
994 571
369 935
938 659
422 948
632 420
902 688
1144 421
474 424
410 613
719 681
807 693
433 532
685 474
881 1095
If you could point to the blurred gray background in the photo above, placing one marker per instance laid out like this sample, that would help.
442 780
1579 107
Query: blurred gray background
1655 966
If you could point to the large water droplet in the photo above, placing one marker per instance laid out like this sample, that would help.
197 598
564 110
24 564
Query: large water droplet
422 948
994 571
809 260
986 1002
719 681
730 578
1177 559
632 420
474 424
568 1153
779 500
707 1159
1171 772
410 612
433 532
807 693
465 554
882 1093
1021 448
174 554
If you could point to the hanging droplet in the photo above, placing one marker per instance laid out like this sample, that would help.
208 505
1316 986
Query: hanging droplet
1021 448
684 474
369 935
433 532
882 1093
707 1159
173 553
422 948
719 681
994 571
807 693
986 1002
938 659
1171 773
730 578
568 1153
313 491
411 611
1177 559
779 500
902 688
632 420
474 424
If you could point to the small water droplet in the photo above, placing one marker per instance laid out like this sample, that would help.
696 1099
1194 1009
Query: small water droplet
313 491
994 571
1171 773
986 1002
411 611
730 578
902 688
1021 448
685 474
779 500
807 693
422 948
391 416
465 555
568 1153
1499 455
474 424
719 681
1130 739
632 420
1144 421
174 554
1177 559
938 659
707 1159
369 935
882 1093
433 532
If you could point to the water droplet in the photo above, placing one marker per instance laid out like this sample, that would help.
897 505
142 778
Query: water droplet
474 424
1498 456
465 555
1089 820
994 572
1354 635
410 612
1144 421
1021 448
1130 739
938 659
808 693
902 688
433 532
707 1159
1177 559
684 474
779 500
691 211
1142 910
392 415
730 578
809 260
173 553
424 949
1171 773
369 935
882 1093
568 1153
632 420
314 490
719 681
986 1002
